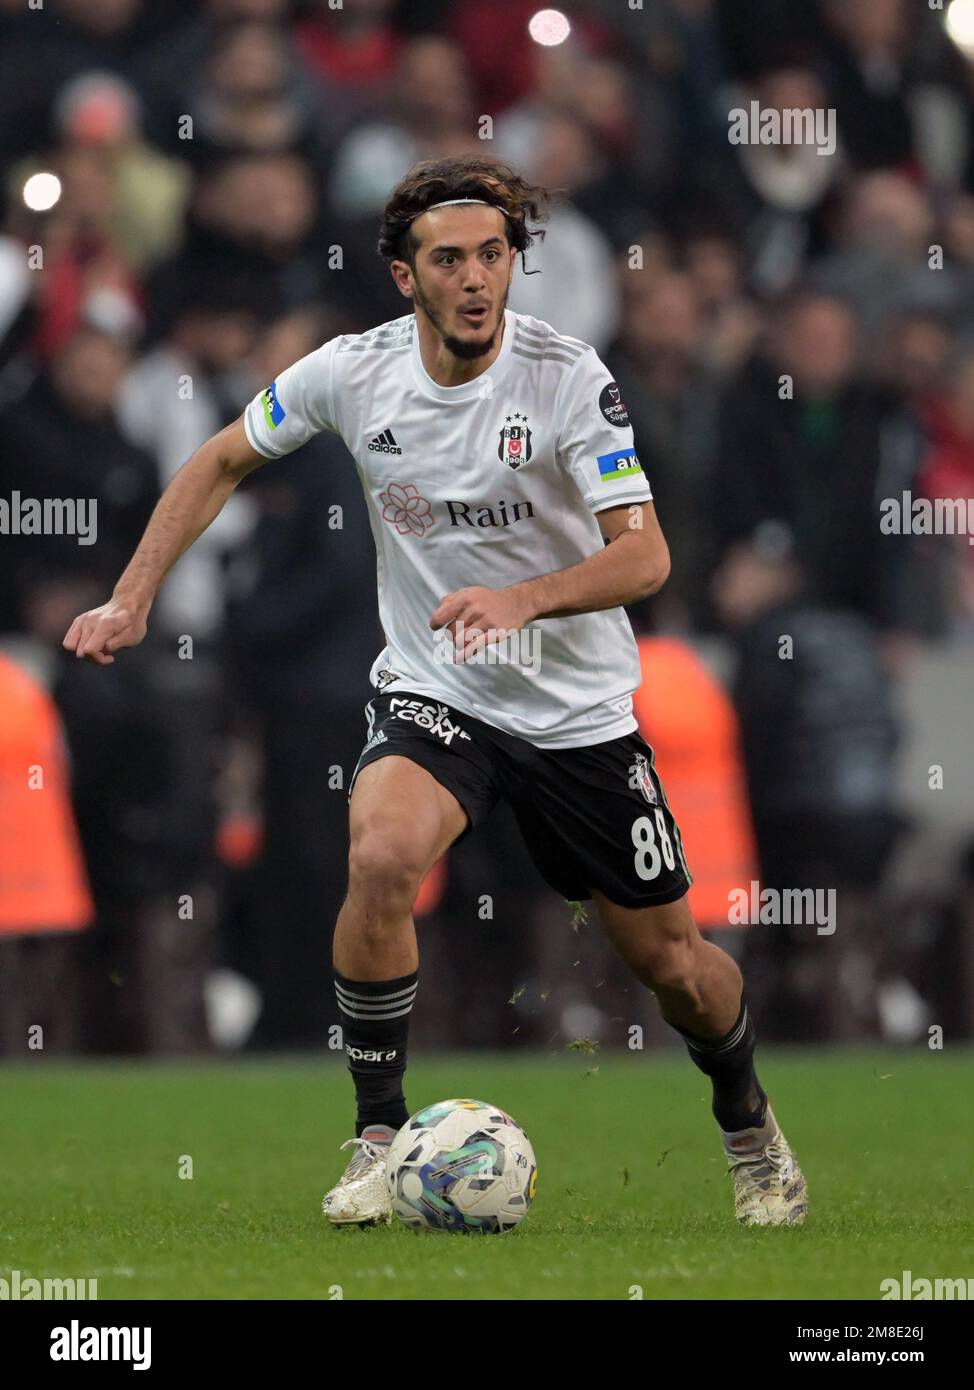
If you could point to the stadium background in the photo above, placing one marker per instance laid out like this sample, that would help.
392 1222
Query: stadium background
169 883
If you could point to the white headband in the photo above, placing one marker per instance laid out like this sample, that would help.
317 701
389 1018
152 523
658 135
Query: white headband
452 202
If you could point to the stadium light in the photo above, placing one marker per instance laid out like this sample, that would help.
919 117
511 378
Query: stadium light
549 27
959 21
41 191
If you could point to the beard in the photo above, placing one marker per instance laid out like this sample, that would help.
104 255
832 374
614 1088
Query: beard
459 347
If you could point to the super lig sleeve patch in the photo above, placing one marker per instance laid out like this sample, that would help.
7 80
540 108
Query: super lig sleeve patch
613 407
623 463
274 412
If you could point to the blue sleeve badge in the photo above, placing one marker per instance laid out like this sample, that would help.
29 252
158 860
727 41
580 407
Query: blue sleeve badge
274 412
624 463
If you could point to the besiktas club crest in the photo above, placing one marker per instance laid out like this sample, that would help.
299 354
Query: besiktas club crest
515 442
641 780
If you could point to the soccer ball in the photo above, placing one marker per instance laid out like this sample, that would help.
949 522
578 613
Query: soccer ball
461 1165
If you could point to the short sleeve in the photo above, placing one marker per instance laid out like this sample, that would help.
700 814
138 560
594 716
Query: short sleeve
299 404
596 442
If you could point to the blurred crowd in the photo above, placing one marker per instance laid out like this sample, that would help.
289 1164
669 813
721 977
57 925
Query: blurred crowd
793 335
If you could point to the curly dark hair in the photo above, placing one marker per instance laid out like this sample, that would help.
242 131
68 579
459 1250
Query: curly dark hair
463 176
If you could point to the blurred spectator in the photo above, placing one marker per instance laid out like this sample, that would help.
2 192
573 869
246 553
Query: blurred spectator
871 44
175 397
586 130
305 632
753 32
575 290
731 321
503 58
429 117
917 345
881 258
916 572
353 50
947 474
680 44
671 395
170 68
74 36
888 116
779 193
818 733
99 113
79 267
799 446
959 230
251 95
62 441
254 216
605 149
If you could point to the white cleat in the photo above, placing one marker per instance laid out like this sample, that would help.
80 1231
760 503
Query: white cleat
769 1188
362 1196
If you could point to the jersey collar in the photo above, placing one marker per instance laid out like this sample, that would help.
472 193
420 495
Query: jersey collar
469 390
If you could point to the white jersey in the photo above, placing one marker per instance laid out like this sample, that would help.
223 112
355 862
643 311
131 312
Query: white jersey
488 483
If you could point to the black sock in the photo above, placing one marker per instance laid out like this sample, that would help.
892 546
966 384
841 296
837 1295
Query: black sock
375 1028
739 1101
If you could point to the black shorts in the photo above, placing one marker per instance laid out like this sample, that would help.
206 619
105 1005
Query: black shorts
592 818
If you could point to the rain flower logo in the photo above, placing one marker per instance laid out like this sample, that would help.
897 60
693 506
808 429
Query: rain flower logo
405 510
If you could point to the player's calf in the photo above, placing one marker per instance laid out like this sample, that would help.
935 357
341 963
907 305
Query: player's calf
376 973
699 989
400 825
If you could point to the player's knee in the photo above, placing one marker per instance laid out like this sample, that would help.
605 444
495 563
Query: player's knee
670 967
385 873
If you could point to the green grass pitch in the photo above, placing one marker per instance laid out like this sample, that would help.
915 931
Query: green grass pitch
631 1184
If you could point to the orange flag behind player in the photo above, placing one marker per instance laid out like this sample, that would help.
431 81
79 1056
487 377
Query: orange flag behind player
43 886
688 718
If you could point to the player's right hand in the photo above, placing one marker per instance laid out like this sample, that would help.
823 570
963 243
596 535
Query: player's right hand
95 635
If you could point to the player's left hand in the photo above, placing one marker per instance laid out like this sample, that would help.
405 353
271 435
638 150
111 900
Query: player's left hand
477 616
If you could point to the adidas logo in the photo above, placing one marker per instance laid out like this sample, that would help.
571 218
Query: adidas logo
384 443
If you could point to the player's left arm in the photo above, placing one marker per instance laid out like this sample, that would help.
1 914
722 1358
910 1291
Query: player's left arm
633 564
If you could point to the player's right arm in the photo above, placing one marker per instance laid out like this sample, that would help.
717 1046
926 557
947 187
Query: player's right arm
189 504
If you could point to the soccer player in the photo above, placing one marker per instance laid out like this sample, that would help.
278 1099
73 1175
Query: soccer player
512 520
